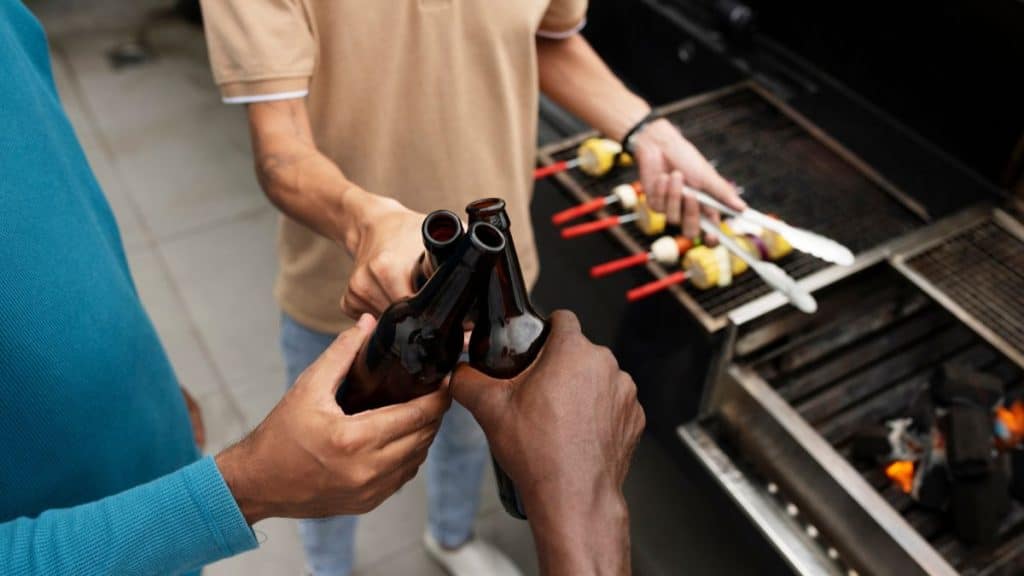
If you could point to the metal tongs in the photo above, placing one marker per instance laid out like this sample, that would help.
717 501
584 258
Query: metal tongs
803 240
772 275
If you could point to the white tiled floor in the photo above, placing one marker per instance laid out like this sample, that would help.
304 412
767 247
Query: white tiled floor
175 165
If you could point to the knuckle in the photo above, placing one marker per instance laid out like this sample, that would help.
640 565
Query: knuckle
420 416
362 476
346 440
380 264
410 474
605 356
561 315
346 304
364 505
358 292
361 280
629 386
566 319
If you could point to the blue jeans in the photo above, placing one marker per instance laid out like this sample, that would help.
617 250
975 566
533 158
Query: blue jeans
455 466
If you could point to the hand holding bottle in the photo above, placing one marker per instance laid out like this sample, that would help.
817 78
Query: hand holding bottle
386 247
308 459
564 430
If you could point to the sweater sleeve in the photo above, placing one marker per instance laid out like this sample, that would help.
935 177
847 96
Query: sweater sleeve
170 525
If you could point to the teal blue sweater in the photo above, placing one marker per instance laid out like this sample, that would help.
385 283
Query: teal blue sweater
98 470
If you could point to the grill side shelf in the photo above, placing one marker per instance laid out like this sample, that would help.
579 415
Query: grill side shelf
973 265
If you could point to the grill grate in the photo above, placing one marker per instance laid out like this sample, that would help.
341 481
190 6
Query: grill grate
784 170
867 366
981 269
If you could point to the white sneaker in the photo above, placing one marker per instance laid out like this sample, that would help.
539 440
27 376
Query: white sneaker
474 558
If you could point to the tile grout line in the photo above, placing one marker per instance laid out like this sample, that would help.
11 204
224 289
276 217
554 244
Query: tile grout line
149 241
185 233
418 543
368 569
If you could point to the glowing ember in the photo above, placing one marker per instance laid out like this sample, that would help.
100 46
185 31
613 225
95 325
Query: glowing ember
902 473
1009 426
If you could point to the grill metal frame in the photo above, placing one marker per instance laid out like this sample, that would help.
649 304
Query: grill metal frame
951 229
768 428
802 553
760 426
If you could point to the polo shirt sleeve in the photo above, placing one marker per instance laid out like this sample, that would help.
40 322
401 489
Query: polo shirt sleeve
563 19
259 51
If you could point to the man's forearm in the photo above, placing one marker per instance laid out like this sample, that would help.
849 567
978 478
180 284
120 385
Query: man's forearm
573 541
576 78
300 180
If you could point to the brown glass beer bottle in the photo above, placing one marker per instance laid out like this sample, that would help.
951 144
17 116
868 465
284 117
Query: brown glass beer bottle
442 230
508 333
418 340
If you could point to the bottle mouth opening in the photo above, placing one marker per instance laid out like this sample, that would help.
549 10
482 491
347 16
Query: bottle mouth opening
487 237
442 227
486 206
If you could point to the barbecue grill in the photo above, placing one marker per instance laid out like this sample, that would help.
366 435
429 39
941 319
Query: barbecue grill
772 151
785 392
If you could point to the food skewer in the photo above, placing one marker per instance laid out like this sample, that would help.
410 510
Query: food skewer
625 194
666 251
651 223
703 267
595 157
562 166
801 239
714 267
772 275
651 288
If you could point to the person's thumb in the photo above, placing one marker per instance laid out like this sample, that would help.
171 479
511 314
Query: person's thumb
329 370
483 396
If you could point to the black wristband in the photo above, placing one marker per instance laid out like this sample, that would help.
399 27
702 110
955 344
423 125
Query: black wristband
627 145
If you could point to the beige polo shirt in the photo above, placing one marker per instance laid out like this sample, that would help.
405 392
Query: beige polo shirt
431 102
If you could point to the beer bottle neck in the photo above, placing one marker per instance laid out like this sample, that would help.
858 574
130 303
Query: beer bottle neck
508 296
446 298
508 281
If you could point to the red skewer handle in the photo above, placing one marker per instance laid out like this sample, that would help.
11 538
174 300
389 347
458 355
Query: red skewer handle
545 171
577 211
645 290
581 229
620 264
